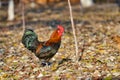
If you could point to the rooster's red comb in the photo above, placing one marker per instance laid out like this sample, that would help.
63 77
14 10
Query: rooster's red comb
60 28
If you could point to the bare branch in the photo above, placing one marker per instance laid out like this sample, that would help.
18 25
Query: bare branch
73 28
23 15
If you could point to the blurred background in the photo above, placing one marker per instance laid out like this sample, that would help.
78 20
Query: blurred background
13 8
97 25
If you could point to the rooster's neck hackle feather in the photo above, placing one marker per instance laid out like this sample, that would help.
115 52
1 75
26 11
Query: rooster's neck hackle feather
56 35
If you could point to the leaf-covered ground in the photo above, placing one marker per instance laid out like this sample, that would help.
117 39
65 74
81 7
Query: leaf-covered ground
97 30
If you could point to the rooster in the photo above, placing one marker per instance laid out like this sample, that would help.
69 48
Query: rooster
43 50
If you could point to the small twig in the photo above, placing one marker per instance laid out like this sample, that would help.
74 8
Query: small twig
23 15
73 28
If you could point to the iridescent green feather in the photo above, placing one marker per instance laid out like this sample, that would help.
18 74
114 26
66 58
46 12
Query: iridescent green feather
30 39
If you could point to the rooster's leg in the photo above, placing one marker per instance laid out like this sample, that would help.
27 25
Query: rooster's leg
44 63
